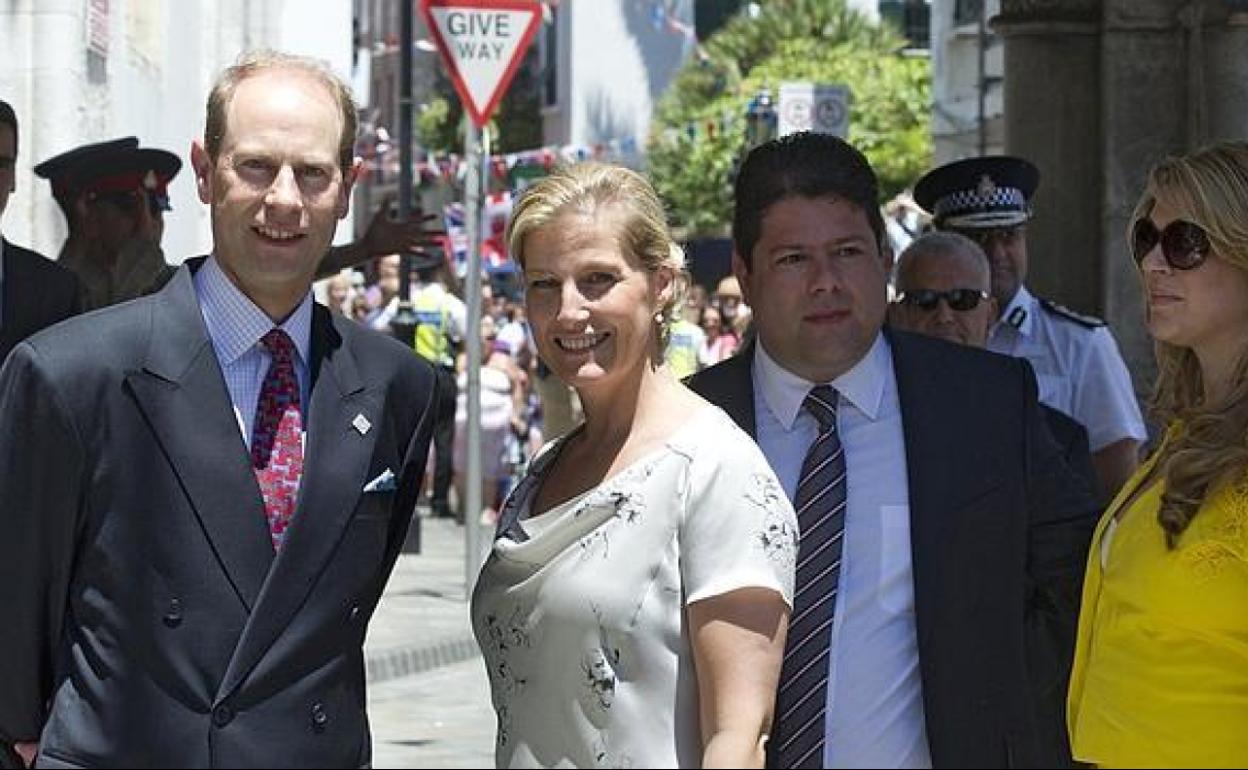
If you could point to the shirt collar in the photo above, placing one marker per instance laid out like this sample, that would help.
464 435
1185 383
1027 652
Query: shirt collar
784 392
1020 313
236 324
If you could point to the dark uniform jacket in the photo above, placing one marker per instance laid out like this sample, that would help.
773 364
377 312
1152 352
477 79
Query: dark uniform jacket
37 293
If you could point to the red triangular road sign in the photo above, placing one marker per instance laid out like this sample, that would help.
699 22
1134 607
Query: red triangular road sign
482 43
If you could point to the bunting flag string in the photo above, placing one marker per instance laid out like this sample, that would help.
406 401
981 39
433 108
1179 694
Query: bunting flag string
381 161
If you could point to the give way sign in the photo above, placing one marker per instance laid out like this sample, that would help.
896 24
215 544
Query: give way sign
482 43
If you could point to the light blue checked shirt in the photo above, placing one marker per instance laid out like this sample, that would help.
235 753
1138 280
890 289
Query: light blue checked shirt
235 326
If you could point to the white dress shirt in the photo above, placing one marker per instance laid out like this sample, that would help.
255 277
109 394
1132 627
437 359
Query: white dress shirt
235 325
1079 370
875 698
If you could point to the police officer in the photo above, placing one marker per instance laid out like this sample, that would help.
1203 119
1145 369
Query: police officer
114 195
1078 367
684 342
441 318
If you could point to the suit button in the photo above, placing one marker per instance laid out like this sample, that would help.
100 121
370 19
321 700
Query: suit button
355 614
319 718
222 715
173 618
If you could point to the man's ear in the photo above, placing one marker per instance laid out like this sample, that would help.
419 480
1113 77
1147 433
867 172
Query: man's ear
742 273
348 181
203 172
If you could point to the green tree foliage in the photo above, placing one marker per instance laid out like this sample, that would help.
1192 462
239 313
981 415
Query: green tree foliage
516 124
699 128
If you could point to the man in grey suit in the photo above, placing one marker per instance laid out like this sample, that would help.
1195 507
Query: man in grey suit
940 527
34 291
204 490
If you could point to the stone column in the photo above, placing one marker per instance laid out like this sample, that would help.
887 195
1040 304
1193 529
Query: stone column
1053 118
1146 115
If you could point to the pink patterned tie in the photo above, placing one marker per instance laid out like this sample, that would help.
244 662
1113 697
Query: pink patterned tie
276 436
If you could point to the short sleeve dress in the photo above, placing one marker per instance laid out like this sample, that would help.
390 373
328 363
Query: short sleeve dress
580 612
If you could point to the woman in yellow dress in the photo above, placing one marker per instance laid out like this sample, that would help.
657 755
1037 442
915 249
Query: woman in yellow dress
1161 668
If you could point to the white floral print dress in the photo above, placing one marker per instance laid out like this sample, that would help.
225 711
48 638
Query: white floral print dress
580 612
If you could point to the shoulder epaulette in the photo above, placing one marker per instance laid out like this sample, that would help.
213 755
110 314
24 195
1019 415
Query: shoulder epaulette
1089 321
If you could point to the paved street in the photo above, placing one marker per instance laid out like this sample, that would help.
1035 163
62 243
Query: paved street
428 694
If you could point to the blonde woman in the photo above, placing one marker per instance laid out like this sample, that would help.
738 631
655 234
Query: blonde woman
1161 667
632 612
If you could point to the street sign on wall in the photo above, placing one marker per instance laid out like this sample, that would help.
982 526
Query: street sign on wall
482 43
819 107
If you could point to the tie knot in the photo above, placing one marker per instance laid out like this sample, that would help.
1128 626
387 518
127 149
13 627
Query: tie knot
821 402
279 344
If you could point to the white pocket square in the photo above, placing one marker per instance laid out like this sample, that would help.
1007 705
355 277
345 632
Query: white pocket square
386 482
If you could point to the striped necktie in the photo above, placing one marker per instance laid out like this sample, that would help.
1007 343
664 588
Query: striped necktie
798 736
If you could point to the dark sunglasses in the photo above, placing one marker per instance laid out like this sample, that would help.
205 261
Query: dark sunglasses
926 300
1183 244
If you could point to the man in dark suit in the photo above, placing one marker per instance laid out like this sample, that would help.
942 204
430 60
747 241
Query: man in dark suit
204 490
34 291
943 282
937 516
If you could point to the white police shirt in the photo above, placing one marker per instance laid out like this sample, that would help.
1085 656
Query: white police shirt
1078 367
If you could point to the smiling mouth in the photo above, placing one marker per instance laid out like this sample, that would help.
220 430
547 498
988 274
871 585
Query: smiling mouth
581 342
276 235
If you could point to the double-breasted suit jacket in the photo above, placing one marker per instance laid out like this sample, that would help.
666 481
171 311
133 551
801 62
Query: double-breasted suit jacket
999 531
149 622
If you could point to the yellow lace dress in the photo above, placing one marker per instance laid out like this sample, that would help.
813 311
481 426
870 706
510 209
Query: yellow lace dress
1160 674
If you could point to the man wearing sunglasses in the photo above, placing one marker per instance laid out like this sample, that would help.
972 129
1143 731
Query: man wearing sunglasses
1076 360
943 290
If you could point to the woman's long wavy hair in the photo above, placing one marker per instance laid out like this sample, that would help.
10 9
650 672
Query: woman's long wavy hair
1209 188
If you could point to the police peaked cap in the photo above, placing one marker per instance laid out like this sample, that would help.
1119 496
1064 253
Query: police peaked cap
979 193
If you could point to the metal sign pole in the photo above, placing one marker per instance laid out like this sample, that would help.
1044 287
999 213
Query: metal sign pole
475 149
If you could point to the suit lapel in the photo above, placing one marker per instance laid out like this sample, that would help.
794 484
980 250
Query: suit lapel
335 466
182 393
935 472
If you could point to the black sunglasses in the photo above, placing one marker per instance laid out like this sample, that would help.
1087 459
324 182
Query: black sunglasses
1184 244
926 300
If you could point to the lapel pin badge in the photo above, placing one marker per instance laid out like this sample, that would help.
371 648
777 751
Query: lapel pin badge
361 424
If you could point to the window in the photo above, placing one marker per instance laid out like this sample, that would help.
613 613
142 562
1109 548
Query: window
967 11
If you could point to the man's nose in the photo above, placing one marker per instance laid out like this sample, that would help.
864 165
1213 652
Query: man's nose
284 191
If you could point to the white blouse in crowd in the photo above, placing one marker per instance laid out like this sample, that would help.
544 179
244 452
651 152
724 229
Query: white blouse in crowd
580 611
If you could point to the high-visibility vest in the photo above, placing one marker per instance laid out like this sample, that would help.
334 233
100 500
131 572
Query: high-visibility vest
682 348
432 342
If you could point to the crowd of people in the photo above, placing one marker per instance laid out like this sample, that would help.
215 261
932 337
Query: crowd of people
836 510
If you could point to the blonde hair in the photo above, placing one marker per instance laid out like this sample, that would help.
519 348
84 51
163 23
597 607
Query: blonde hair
258 62
585 188
1209 188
